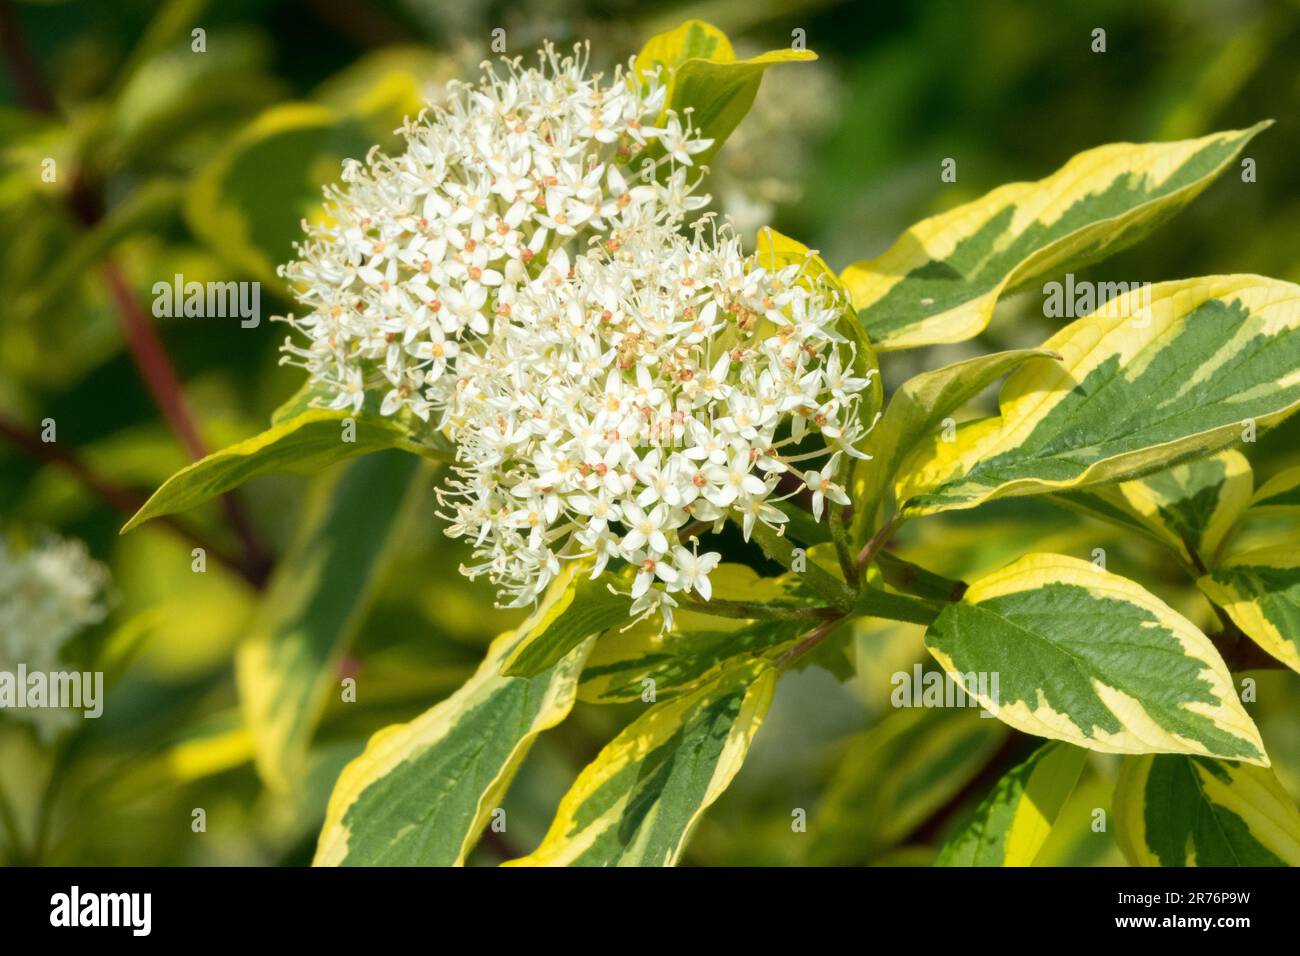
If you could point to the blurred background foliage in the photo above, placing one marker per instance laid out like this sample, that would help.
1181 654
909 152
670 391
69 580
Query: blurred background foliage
173 161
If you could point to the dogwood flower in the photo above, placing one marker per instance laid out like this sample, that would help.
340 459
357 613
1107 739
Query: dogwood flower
822 485
49 593
613 382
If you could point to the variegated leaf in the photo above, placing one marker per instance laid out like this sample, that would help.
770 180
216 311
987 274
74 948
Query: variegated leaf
623 661
1279 496
1091 658
1175 810
1191 507
1260 590
581 608
422 792
890 779
706 77
303 444
638 801
918 408
1011 824
1140 387
940 281
314 604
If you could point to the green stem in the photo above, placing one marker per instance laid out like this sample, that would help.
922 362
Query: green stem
873 602
913 579
779 549
838 519
718 607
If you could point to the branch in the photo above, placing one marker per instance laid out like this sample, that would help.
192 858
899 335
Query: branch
878 541
32 90
123 500
914 579
808 642
146 347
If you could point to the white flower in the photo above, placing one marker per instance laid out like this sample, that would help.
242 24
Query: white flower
49 593
821 484
693 570
607 378
425 248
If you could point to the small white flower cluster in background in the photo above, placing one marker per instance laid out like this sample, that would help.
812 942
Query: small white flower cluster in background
49 593
609 381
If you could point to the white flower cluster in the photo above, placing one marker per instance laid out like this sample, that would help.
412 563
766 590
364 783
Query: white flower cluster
426 248
613 386
48 594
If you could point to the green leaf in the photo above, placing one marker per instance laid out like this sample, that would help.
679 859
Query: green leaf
776 251
623 660
422 792
816 578
1191 508
249 201
891 779
314 605
1011 824
1088 657
1197 811
638 801
303 444
707 78
150 208
1140 387
1279 497
1260 590
583 608
918 408
940 281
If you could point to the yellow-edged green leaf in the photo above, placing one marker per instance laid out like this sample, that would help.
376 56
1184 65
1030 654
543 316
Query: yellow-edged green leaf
249 201
1191 507
1011 824
582 607
638 801
707 78
303 444
919 407
624 660
893 777
1279 496
316 600
1175 810
1212 358
1260 590
776 251
940 281
1091 658
422 792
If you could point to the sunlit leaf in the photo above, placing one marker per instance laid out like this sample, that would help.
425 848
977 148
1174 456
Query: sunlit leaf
940 281
1091 658
1133 393
1175 810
